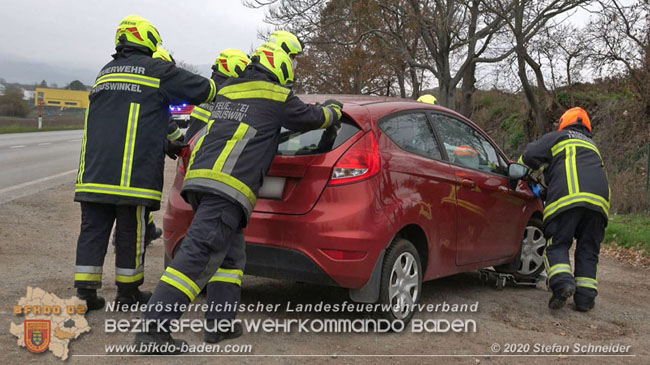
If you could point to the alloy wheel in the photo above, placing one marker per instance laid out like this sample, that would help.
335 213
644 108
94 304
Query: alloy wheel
403 288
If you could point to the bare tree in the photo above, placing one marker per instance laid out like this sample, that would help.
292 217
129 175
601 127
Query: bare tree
525 19
620 44
442 37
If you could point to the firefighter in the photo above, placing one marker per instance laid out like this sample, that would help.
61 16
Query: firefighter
577 206
121 164
225 172
230 63
428 99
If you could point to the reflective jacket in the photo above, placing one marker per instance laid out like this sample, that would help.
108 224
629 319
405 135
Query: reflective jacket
573 171
201 115
122 154
234 152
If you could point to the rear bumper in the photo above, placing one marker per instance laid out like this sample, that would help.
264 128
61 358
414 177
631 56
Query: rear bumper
285 264
346 218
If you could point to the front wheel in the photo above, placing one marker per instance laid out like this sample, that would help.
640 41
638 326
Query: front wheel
531 254
401 280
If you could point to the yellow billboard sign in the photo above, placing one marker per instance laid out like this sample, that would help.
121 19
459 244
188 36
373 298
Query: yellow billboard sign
62 98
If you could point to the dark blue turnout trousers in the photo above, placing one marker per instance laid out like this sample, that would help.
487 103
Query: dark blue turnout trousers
213 254
588 228
96 224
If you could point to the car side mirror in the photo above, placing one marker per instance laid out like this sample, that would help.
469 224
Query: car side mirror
517 171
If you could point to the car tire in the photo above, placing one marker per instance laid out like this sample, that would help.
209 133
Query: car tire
401 280
530 262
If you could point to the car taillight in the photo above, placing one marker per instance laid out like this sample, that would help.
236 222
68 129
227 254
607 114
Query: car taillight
360 162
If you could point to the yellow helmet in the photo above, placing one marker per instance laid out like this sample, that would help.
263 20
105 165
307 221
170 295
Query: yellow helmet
288 41
231 62
275 60
138 31
428 98
163 54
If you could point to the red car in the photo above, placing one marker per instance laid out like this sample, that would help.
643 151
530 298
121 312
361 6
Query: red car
405 192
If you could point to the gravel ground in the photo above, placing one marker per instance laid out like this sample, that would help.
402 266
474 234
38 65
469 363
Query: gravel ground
37 248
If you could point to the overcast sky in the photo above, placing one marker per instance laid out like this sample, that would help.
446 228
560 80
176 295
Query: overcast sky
78 35
81 32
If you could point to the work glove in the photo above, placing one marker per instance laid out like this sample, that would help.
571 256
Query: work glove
174 149
336 106
539 191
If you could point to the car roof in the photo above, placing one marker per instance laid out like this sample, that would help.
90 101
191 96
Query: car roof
360 107
378 106
348 99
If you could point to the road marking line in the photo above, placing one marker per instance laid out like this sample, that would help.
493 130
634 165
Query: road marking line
43 179
74 140
18 146
44 143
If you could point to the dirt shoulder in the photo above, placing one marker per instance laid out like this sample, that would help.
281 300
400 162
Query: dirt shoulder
38 236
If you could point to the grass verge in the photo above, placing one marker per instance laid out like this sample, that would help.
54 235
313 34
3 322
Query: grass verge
629 231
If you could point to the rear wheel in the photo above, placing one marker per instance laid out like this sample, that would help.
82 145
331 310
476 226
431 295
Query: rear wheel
531 254
401 280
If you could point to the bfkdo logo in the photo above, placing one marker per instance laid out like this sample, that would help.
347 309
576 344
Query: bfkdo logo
38 333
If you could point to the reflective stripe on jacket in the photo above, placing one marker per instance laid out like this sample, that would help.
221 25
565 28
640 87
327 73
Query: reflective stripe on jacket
201 114
232 155
575 175
198 120
122 153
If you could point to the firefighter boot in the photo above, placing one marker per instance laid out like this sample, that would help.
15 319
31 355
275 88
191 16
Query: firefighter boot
159 343
560 295
131 296
93 302
216 336
152 234
584 299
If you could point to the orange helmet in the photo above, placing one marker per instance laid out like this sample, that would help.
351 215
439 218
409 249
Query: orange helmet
465 151
575 115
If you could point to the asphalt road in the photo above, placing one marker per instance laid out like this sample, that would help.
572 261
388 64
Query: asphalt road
32 162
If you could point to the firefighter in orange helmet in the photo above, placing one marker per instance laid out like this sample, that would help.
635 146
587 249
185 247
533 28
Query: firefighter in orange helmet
577 206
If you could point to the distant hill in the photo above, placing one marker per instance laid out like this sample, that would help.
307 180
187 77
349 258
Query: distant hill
15 70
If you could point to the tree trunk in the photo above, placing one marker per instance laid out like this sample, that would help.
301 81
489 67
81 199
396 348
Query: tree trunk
447 97
415 83
400 82
537 110
468 88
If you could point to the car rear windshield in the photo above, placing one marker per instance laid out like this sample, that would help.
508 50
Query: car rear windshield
315 141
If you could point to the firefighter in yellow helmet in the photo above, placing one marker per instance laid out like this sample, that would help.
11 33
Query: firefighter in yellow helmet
428 98
577 206
121 164
225 172
230 63
290 43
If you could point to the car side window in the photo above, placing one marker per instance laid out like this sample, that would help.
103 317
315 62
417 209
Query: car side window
467 147
413 133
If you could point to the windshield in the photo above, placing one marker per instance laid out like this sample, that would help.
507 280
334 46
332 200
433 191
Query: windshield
315 141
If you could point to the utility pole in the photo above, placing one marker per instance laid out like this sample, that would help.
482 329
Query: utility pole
40 114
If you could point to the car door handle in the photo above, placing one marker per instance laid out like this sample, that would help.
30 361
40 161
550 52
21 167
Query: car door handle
467 183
